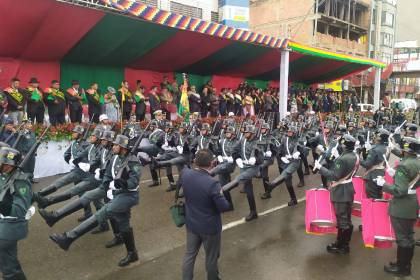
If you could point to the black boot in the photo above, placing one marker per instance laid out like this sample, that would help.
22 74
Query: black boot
339 246
66 239
172 187
46 191
118 239
267 190
229 199
252 207
51 217
293 200
277 181
403 265
44 202
306 171
87 209
131 249
301 183
231 185
155 178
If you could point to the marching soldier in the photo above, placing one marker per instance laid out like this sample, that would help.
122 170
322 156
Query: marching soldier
122 184
342 192
16 100
74 100
35 105
248 157
14 213
404 206
56 102
267 144
26 139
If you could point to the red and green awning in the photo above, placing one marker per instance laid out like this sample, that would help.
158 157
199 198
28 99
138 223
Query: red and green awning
94 44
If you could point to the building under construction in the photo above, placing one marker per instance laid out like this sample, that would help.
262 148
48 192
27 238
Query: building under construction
337 25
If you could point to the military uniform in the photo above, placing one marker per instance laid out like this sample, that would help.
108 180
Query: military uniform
374 165
27 140
13 223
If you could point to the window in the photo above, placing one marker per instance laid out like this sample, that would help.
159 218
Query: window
372 37
387 39
387 19
374 16
386 58
186 10
152 3
214 16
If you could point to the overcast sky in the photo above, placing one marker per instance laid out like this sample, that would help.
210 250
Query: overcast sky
408 22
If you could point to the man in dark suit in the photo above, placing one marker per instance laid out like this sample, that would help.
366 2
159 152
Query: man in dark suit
154 101
204 203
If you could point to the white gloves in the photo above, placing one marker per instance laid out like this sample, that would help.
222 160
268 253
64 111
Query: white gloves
240 163
112 185
380 181
368 146
317 165
180 149
391 171
30 213
220 159
97 174
71 162
357 143
165 147
109 194
335 153
84 166
397 130
252 161
296 155
320 148
285 160
268 154
316 133
391 145
230 159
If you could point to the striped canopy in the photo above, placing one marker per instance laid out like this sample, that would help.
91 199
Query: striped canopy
129 36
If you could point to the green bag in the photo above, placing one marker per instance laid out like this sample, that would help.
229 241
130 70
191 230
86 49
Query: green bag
178 210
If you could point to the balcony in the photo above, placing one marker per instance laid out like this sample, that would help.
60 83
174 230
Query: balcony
340 45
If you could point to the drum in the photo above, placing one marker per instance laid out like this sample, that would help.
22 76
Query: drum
359 195
319 213
377 228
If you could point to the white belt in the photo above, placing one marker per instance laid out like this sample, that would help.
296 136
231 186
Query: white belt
334 184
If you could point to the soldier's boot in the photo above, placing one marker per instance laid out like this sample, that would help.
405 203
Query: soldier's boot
46 191
339 247
273 184
229 199
324 182
172 184
130 245
162 163
403 265
64 240
52 217
231 185
291 190
253 209
18 276
155 178
301 183
44 202
87 213
103 227
267 190
306 171
118 239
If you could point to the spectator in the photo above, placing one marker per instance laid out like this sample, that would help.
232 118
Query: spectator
154 101
111 104
204 203
16 99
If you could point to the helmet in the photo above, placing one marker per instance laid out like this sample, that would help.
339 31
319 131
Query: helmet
348 141
342 129
121 140
205 126
372 122
250 128
9 156
184 125
329 125
265 126
350 124
411 129
292 128
153 123
108 135
230 129
383 134
78 129
166 124
97 132
411 145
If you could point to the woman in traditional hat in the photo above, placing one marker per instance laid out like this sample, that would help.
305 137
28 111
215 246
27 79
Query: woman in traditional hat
111 105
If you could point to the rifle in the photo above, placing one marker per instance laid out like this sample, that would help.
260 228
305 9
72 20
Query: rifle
17 131
9 182
85 136
133 151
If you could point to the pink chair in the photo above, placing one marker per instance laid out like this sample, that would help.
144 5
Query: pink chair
377 228
360 194
319 214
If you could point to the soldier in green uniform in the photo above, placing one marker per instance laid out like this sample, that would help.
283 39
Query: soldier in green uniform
14 214
404 206
76 174
374 163
123 195
23 144
342 192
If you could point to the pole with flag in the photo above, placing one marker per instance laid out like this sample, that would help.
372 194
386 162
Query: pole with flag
122 105
184 106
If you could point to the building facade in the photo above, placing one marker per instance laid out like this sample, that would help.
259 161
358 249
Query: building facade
341 26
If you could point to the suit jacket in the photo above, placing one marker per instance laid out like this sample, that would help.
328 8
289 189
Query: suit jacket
154 103
203 201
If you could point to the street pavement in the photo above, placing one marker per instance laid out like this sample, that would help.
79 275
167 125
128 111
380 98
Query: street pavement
273 247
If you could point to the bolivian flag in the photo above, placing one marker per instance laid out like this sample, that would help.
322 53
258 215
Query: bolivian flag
184 105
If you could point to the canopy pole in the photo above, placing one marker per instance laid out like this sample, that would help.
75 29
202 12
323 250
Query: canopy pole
284 82
377 89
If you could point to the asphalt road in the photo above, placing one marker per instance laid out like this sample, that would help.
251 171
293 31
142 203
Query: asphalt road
273 247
